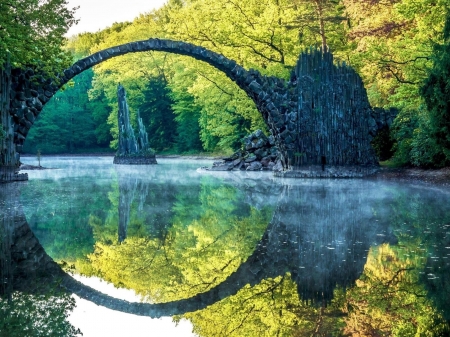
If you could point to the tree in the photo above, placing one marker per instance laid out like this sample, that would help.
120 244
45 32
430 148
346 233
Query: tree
392 42
321 18
436 93
71 121
32 33
187 116
157 114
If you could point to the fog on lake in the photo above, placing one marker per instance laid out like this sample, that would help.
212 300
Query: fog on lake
221 253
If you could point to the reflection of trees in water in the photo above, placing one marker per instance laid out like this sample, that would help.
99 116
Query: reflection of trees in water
59 215
31 301
404 288
314 248
320 242
141 207
390 300
211 232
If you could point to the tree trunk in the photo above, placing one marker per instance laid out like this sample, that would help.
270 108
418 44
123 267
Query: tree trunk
319 9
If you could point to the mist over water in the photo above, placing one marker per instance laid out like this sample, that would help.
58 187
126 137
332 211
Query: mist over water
214 246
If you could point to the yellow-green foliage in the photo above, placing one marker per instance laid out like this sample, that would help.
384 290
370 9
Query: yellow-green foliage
388 299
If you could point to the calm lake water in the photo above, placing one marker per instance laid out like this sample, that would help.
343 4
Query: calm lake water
184 252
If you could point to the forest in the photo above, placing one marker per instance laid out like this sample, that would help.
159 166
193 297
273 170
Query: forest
400 48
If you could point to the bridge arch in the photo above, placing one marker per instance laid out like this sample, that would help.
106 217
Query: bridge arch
320 117
30 91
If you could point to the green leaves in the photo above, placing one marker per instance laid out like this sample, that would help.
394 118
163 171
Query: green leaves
436 92
70 122
32 33
392 47
37 315
202 246
192 106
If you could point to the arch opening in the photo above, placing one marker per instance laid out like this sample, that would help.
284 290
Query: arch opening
32 91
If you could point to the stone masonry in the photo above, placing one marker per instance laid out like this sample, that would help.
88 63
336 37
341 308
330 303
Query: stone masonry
320 117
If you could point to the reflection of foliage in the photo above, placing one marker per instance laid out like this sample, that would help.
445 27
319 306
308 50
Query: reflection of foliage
188 260
270 308
194 246
388 300
36 315
60 220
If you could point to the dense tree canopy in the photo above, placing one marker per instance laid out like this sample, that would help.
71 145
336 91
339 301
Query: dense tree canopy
32 33
71 121
42 315
392 45
436 92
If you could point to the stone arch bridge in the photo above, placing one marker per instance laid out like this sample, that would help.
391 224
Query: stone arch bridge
320 116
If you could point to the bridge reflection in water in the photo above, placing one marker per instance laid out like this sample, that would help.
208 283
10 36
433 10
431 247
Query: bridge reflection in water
318 235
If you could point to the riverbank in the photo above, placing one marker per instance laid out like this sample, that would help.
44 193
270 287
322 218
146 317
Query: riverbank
94 154
108 154
429 177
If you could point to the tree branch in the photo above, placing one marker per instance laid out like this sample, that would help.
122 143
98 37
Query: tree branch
242 12
388 68
215 84
408 61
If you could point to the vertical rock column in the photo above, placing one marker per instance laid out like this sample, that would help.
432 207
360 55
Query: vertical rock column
131 152
127 141
9 158
8 194
334 120
142 140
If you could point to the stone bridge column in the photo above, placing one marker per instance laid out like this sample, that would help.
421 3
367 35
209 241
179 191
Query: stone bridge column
9 158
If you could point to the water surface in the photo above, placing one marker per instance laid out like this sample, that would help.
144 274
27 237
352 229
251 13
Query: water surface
245 254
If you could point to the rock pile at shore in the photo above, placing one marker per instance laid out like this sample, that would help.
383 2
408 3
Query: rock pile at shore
259 153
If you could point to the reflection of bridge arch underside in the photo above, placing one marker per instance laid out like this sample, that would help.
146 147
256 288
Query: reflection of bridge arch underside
284 247
259 88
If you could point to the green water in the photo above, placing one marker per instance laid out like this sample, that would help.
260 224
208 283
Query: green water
281 257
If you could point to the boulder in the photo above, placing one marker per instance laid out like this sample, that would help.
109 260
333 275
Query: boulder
258 153
254 166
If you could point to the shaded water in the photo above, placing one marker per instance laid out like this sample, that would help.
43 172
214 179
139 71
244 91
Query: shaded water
235 254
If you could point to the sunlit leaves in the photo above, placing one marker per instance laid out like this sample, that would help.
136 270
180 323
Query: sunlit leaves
388 298
393 41
190 257
31 33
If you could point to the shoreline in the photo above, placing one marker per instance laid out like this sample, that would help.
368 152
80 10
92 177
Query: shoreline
107 154
439 178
